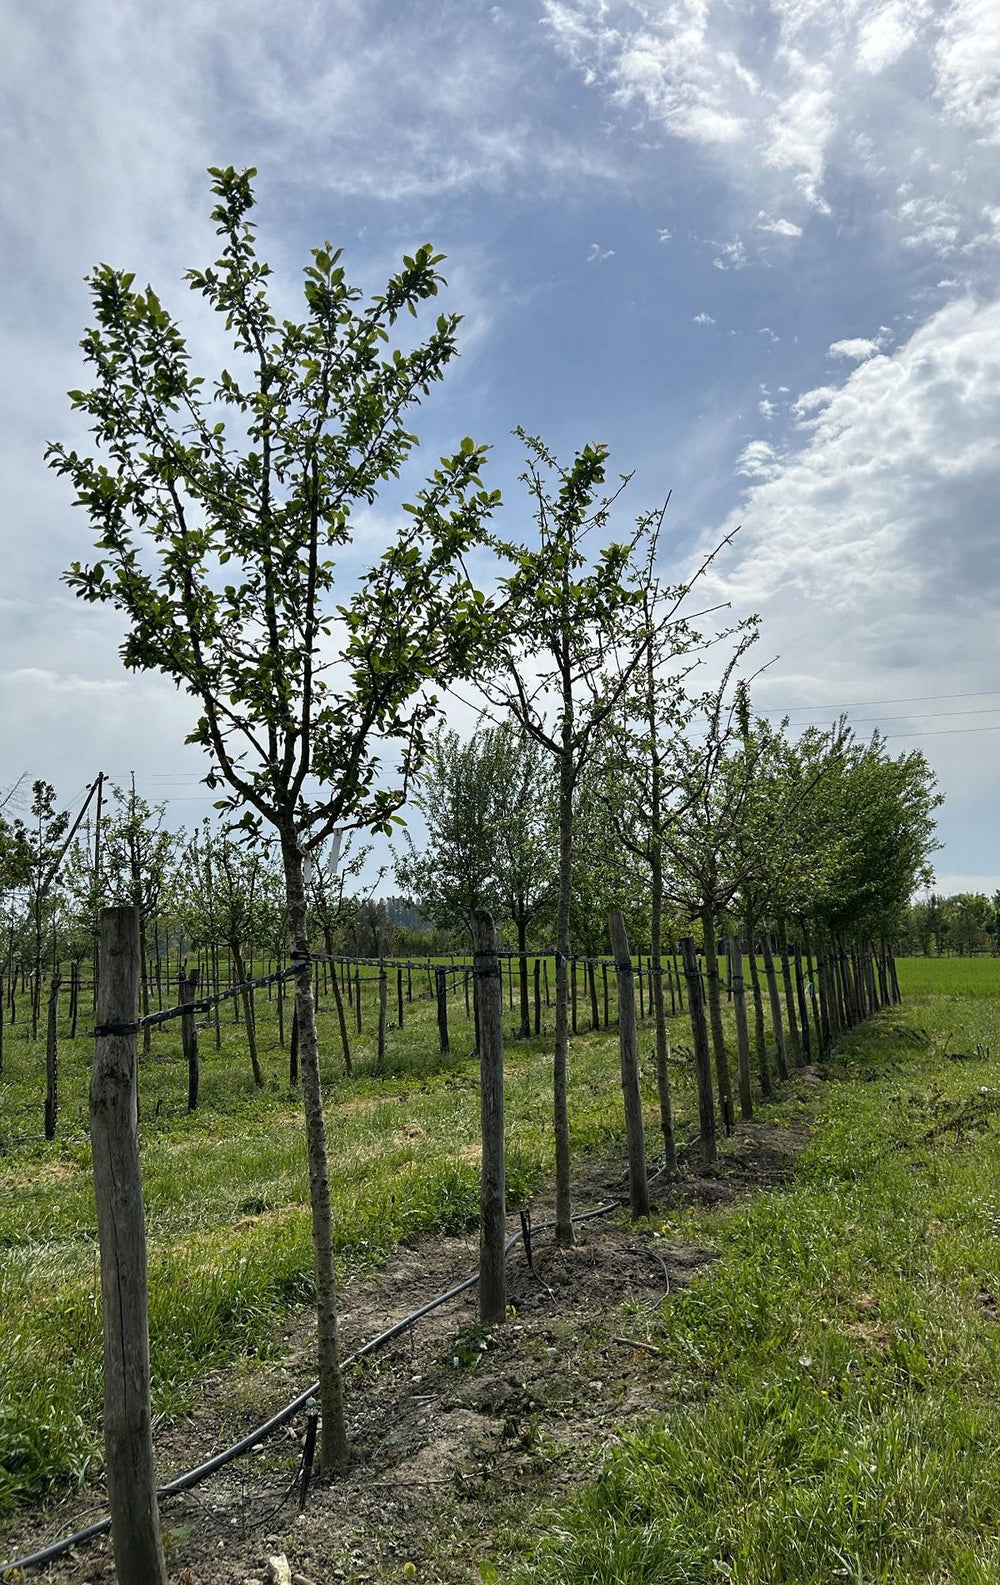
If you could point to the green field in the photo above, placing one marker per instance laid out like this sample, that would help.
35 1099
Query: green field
832 1378
226 1195
836 1374
961 977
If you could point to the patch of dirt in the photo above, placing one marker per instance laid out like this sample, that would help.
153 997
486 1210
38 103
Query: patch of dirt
41 1172
449 1420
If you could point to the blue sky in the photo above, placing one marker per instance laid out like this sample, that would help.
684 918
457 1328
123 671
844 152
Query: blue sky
752 247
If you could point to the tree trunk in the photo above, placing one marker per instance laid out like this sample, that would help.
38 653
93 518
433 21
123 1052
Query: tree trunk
335 1448
128 1439
248 1018
560 1108
715 1018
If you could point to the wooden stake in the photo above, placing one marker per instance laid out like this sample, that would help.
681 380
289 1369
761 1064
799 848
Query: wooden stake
702 1059
383 999
734 953
775 1000
128 1439
188 984
628 1050
442 1007
492 1201
52 1058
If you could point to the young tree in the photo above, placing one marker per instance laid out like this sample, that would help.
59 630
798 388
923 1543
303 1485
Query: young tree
45 847
576 638
221 882
455 872
136 866
490 811
218 541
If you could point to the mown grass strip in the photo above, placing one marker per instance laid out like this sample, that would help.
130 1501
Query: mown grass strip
833 1377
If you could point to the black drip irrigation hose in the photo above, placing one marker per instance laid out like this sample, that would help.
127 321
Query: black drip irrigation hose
193 1477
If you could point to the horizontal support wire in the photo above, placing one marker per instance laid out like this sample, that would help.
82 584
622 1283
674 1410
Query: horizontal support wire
204 1003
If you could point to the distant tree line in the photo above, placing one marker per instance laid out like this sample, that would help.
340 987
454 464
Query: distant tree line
964 924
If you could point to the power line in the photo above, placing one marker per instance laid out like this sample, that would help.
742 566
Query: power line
869 704
920 715
944 731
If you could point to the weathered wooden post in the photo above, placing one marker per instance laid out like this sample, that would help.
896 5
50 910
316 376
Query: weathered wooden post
128 1439
595 1017
642 1001
699 1040
442 1007
357 999
604 989
383 1003
628 1049
293 1048
734 952
573 994
399 997
538 996
492 1202
52 1058
545 972
800 992
74 995
188 984
279 1002
775 1000
794 1039
338 1002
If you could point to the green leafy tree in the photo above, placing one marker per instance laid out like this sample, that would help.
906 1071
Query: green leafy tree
454 873
220 512
575 639
136 868
489 806
43 848
223 887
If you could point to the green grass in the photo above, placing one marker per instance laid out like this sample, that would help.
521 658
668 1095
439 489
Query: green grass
833 1378
226 1198
949 976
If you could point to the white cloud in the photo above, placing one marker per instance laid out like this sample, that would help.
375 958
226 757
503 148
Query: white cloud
731 255
664 235
597 254
703 319
861 519
802 100
967 65
777 227
757 460
854 349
